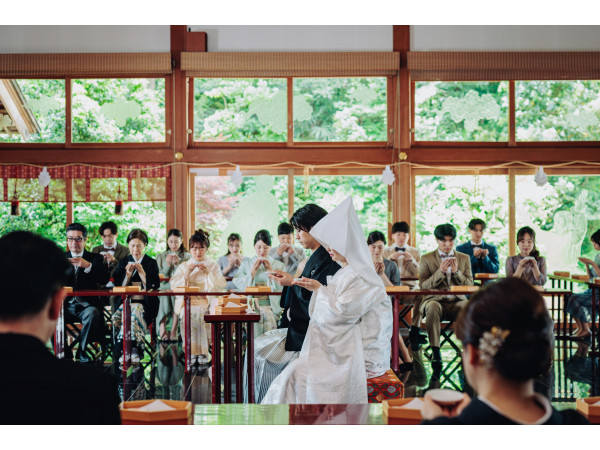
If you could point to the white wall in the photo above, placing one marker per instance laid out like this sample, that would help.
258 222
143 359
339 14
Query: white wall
225 38
84 39
290 38
505 38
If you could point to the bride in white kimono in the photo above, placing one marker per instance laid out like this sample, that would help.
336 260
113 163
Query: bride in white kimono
339 353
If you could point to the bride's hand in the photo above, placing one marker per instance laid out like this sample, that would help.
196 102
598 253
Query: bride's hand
308 283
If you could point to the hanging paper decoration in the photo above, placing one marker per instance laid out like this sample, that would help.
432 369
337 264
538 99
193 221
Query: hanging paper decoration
44 178
119 203
387 177
237 177
540 177
15 209
306 180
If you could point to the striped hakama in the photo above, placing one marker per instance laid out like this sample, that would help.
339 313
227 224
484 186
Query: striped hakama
270 359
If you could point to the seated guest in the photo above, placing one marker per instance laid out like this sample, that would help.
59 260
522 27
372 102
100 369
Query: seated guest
89 273
111 251
442 269
274 350
286 252
528 264
253 272
407 258
168 261
580 305
202 272
507 339
231 261
388 272
348 338
386 269
137 269
36 388
484 256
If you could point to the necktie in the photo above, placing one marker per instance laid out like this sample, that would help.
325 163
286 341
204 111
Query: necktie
400 249
106 249
476 246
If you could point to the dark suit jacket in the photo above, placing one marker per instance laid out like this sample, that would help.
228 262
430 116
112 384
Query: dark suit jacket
478 413
297 299
97 277
36 388
152 282
120 252
487 264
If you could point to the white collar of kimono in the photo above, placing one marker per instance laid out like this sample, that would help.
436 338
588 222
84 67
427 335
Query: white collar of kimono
341 230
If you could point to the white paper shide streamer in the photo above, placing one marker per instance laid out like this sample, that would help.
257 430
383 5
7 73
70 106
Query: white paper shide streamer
540 177
44 178
237 177
387 177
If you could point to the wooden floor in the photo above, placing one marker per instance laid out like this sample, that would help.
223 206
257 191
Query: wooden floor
573 376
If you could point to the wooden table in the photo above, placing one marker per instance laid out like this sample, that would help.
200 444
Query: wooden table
223 322
595 347
253 414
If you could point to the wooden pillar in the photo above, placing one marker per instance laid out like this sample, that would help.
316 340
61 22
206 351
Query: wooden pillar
402 200
177 209
291 193
512 213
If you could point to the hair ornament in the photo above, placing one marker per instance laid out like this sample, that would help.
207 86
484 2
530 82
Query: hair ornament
490 343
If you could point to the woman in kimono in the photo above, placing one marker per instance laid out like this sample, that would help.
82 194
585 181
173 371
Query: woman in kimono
253 272
350 329
168 261
230 262
199 271
137 269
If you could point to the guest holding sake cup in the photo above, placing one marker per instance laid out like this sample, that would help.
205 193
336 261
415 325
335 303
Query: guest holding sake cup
253 272
528 264
507 340
168 261
231 261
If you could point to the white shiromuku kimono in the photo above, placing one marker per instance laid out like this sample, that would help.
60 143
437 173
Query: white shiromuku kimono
331 366
350 330
269 308
211 281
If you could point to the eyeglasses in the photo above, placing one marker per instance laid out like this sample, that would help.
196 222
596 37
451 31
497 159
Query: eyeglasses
74 239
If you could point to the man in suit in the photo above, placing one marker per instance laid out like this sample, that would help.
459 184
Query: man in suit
35 387
111 251
407 258
484 256
442 269
89 273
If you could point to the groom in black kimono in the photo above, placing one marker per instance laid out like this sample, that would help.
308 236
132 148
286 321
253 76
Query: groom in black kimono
275 349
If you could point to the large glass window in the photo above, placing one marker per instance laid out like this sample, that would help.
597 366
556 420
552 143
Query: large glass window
557 110
328 191
148 216
46 219
457 199
461 111
118 110
32 111
222 208
240 110
564 213
340 109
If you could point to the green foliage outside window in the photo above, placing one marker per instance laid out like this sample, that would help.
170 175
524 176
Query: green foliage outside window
557 110
461 111
119 110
